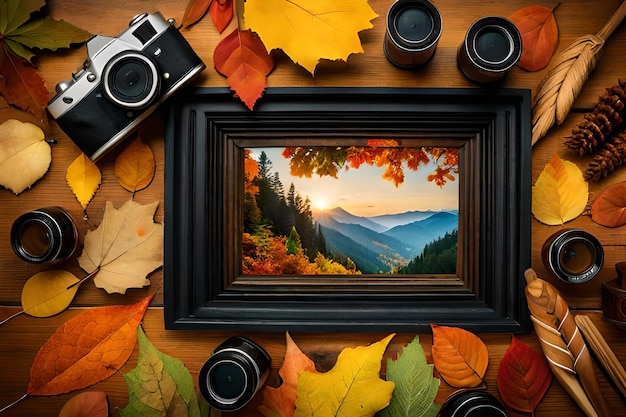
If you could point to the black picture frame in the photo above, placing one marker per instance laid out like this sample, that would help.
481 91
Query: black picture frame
203 170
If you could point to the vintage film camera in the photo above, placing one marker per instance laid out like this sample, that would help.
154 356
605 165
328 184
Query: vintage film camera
122 82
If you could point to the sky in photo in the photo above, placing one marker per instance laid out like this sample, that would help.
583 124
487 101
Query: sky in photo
363 191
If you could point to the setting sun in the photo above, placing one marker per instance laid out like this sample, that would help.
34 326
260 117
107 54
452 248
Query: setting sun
321 204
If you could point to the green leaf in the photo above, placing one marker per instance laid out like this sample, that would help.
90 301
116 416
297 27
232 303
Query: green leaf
19 49
159 385
15 13
48 33
416 388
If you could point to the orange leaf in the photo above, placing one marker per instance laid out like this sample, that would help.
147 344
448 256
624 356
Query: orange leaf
523 377
21 85
86 404
540 36
282 400
609 208
196 9
221 12
86 349
243 59
135 166
460 357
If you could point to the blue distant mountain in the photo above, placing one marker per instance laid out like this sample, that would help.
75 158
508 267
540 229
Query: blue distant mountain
371 244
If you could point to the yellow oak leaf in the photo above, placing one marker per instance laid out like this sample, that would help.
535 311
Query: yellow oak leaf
125 248
25 156
83 177
310 30
135 166
351 388
560 193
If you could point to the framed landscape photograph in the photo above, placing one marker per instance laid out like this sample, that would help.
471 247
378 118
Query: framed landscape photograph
348 209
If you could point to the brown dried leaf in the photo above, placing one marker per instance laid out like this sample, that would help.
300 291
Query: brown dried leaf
135 166
540 36
609 208
86 404
125 248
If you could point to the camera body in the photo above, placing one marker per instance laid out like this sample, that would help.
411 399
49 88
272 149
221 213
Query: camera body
122 82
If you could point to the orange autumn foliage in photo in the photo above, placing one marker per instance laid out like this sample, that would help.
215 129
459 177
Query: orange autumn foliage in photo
328 161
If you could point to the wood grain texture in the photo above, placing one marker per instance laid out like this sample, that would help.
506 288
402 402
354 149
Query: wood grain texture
21 338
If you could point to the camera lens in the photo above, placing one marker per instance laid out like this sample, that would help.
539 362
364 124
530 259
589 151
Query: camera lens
131 80
573 255
412 33
233 374
472 403
44 235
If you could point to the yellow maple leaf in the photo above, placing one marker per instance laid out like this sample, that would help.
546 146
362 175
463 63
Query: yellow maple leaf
560 193
310 30
25 156
125 248
351 388
83 177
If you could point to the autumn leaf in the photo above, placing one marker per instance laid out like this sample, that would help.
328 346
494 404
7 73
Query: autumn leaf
126 247
243 59
310 30
196 9
86 404
415 386
609 208
560 193
49 292
281 401
351 388
25 156
523 377
159 385
460 357
83 178
86 349
20 84
222 12
135 166
540 36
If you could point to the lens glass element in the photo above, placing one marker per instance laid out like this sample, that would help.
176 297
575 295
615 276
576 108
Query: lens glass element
35 239
228 380
492 44
414 24
577 257
131 80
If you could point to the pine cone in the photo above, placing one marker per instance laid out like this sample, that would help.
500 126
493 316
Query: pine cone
608 158
600 123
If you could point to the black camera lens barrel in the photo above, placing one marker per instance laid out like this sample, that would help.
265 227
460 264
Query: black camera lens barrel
47 234
412 33
573 255
491 47
234 373
472 403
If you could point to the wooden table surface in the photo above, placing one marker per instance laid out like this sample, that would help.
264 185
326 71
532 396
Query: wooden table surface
21 337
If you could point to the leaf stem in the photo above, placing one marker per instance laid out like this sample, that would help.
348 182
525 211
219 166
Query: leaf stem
3 409
89 275
12 316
